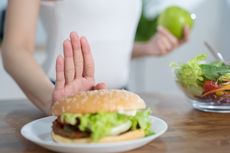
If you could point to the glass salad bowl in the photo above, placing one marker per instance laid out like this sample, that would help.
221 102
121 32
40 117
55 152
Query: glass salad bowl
206 84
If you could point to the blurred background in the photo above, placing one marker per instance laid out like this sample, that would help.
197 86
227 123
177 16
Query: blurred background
151 74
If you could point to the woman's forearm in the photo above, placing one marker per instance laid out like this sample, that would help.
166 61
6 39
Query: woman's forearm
17 52
29 76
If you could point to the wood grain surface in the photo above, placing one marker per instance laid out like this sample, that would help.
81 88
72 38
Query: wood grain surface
190 130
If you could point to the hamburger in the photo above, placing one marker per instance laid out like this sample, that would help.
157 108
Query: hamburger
100 116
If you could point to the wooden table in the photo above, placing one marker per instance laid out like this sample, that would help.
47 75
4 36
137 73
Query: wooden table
190 131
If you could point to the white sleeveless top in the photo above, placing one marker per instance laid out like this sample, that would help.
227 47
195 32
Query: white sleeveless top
109 25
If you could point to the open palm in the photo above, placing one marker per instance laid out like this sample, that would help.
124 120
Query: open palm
74 71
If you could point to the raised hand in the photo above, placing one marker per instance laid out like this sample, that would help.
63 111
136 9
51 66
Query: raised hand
74 71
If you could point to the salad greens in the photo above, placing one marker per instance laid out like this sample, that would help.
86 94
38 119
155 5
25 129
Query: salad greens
224 77
213 71
100 124
204 80
190 74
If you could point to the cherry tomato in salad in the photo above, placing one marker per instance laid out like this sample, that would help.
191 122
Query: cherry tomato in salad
210 85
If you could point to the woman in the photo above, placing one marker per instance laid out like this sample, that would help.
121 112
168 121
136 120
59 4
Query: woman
109 26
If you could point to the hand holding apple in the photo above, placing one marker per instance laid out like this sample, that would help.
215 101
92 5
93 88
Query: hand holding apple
174 19
163 42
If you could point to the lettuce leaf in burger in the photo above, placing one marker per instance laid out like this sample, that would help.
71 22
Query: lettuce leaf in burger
101 116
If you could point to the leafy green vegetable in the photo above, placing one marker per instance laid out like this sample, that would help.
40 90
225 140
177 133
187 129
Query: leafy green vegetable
190 75
142 118
213 71
217 63
224 78
100 124
69 118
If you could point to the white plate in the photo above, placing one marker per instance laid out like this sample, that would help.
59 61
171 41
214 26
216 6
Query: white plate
38 131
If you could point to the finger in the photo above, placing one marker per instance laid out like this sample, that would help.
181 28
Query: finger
165 42
161 47
172 39
100 86
68 62
77 54
186 34
87 58
60 77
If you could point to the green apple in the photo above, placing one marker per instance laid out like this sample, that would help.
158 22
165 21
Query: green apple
174 18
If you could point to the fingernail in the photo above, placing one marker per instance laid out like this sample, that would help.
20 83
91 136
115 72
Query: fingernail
73 34
59 56
186 27
65 41
59 59
83 38
159 28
